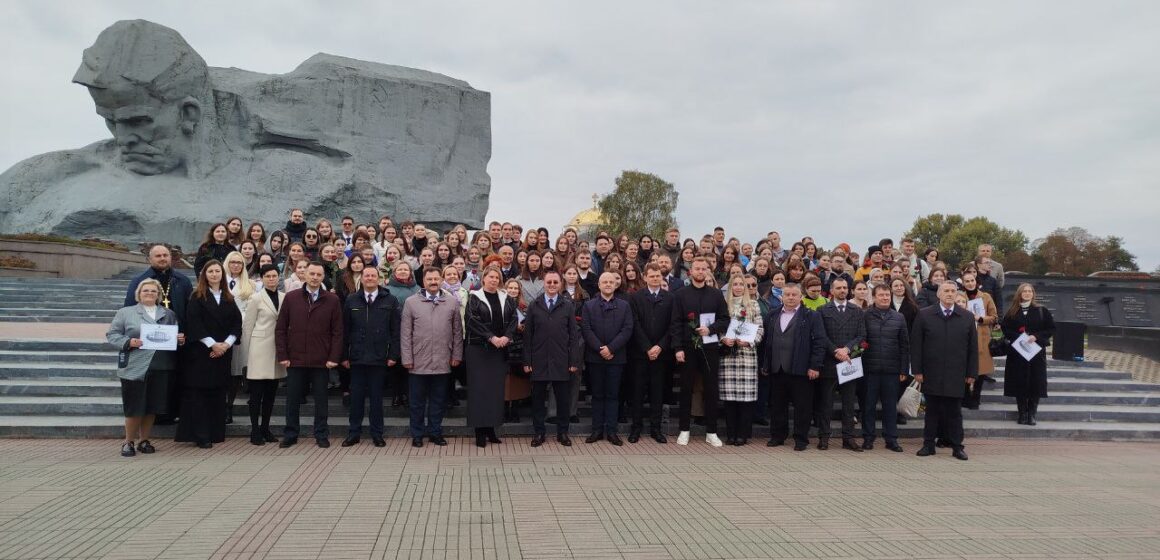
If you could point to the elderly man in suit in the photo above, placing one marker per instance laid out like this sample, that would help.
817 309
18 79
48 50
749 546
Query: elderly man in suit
370 345
845 332
552 355
944 355
791 355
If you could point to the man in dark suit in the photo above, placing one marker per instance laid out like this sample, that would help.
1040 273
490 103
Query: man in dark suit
845 332
944 355
552 355
370 345
670 280
791 355
650 352
606 326
308 342
175 291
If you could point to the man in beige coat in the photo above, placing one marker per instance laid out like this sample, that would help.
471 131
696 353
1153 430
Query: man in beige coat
431 343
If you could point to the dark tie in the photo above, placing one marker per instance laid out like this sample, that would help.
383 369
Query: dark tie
551 302
313 297
842 308
370 299
948 313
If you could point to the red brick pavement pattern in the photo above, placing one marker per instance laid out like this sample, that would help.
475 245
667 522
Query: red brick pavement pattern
1013 499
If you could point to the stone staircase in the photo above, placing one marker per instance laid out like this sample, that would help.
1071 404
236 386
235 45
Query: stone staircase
51 388
68 388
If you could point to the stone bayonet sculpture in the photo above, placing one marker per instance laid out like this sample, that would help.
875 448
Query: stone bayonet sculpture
193 144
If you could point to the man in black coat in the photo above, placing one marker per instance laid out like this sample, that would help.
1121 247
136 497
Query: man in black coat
791 355
944 355
370 346
885 363
689 305
175 291
650 352
845 332
552 355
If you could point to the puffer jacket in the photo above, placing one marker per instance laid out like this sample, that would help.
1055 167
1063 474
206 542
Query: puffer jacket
889 351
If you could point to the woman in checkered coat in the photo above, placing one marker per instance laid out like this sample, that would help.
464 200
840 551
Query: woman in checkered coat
738 376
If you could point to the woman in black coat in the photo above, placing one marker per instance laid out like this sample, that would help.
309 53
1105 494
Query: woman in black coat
490 325
212 325
215 247
1022 379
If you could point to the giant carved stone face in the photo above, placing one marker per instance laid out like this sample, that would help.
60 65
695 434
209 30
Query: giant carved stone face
153 136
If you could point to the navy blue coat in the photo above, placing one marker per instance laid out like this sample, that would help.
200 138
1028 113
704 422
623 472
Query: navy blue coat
606 323
809 345
180 288
371 333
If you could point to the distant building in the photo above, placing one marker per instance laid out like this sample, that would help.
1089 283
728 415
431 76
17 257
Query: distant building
588 222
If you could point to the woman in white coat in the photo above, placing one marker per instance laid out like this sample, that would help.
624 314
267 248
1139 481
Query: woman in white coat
262 369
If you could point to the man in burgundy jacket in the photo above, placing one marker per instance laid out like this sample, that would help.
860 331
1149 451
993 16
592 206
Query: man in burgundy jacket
308 342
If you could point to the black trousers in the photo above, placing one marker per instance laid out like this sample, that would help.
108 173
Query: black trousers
784 389
824 389
705 363
563 393
296 379
738 419
262 393
366 383
944 417
648 379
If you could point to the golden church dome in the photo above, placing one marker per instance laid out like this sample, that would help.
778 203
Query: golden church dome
587 221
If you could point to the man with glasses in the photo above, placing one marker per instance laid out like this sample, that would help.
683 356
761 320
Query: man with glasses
348 230
552 355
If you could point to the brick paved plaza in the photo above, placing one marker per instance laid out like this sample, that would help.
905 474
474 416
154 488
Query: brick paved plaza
1013 499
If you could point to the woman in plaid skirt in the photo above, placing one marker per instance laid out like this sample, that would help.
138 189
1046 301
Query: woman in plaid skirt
738 375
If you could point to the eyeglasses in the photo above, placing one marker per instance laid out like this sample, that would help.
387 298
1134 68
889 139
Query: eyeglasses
751 285
551 282
311 237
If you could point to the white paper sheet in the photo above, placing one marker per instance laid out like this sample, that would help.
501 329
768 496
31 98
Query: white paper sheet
742 330
849 371
1025 347
707 319
158 337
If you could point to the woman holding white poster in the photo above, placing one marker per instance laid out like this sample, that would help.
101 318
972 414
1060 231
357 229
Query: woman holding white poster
145 374
738 377
1026 379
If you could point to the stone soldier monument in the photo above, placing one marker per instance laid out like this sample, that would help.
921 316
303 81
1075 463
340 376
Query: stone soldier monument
193 144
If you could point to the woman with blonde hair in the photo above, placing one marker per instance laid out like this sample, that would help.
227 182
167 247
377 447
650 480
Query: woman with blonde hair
738 377
1026 380
242 288
145 374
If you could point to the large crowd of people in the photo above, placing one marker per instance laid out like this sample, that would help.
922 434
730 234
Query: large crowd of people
708 325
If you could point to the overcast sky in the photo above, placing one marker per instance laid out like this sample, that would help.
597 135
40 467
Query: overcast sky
841 120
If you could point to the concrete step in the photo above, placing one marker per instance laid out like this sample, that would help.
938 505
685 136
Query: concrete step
47 370
112 427
1060 383
1051 362
96 358
1087 398
61 387
54 345
100 302
63 313
5 318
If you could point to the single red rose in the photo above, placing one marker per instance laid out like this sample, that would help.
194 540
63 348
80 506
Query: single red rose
743 313
1022 329
577 318
692 315
864 345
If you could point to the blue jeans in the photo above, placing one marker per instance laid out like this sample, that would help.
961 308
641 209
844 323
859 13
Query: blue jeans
366 382
428 399
882 387
604 381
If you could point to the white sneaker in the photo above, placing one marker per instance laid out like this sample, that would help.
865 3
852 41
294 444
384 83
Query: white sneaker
683 438
713 440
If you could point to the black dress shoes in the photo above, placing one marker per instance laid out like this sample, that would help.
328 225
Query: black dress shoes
268 435
492 438
538 440
256 438
659 436
287 442
742 442
849 444
823 444
800 446
634 435
564 440
417 442
378 441
615 440
145 447
925 451
350 440
730 441
894 447
595 437
205 444
774 443
438 440
322 442
480 441
959 454
867 445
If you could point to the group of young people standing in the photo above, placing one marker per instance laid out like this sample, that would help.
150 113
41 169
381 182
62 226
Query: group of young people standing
745 329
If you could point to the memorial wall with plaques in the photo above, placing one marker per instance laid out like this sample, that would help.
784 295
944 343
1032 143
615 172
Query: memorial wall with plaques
1094 301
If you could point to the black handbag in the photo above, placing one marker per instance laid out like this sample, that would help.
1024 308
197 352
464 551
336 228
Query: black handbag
999 347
